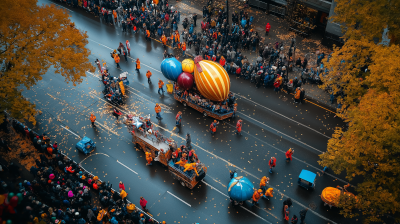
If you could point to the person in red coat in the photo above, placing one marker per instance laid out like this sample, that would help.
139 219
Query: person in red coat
239 127
143 203
121 185
267 28
272 164
289 154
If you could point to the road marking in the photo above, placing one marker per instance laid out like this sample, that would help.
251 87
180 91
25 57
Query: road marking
281 132
179 199
127 167
282 115
70 131
93 154
213 188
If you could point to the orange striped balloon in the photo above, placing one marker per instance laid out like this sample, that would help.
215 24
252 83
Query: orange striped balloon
213 82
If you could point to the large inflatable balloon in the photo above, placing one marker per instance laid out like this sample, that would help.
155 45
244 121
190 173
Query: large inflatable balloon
171 68
188 65
240 188
211 80
185 80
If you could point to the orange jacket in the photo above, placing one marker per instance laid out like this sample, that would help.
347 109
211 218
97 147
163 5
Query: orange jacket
117 59
184 47
177 38
148 33
257 196
297 94
115 14
269 192
157 109
92 118
164 39
138 64
160 84
148 74
263 182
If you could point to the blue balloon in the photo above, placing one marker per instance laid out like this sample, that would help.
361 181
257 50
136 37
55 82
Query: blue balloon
240 189
171 68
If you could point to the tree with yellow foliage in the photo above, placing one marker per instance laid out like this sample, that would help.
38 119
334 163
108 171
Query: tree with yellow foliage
367 73
34 38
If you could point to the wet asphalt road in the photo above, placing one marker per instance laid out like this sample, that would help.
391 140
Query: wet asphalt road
272 124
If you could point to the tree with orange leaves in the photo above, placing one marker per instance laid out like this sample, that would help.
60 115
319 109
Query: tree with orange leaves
33 39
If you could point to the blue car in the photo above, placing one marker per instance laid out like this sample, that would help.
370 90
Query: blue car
86 145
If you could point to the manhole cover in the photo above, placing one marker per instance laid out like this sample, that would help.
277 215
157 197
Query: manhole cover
312 206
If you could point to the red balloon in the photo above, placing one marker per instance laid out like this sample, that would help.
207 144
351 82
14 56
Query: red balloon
185 80
14 201
10 209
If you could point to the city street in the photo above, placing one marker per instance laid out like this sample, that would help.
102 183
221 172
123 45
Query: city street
272 123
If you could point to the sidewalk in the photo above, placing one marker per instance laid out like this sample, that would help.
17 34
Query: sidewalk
279 33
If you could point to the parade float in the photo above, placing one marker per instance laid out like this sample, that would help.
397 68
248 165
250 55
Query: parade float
159 148
203 85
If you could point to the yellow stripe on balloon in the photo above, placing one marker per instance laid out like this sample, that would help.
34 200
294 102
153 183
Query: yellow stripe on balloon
206 66
201 85
217 68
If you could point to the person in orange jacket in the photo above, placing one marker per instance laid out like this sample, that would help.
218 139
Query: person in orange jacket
158 111
164 40
269 193
148 34
222 61
92 119
183 49
160 86
213 127
149 159
137 64
289 154
239 127
122 193
117 60
263 184
148 75
256 196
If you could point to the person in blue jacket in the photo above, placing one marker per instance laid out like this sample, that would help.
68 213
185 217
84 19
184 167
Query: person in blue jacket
243 22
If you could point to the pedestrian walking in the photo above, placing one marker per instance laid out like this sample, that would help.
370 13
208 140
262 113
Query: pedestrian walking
137 65
239 127
158 111
117 60
303 214
188 142
128 47
92 119
267 28
272 164
117 113
269 193
178 118
213 127
98 65
256 196
289 154
183 49
286 212
297 95
294 219
148 75
263 184
143 203
160 86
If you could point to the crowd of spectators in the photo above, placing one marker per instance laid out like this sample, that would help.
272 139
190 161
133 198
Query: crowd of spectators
63 192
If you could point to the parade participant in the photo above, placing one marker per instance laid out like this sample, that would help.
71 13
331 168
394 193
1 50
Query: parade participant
289 154
256 196
128 47
239 127
158 111
193 156
267 28
160 86
181 163
188 141
149 159
123 194
297 95
272 164
183 49
269 193
164 40
148 34
148 75
92 119
286 212
121 185
303 215
213 127
176 155
178 118
263 184
117 60
143 203
117 113
294 220
137 64
190 167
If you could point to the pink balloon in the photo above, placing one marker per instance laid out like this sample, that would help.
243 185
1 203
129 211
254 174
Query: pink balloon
185 80
70 194
14 201
51 176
